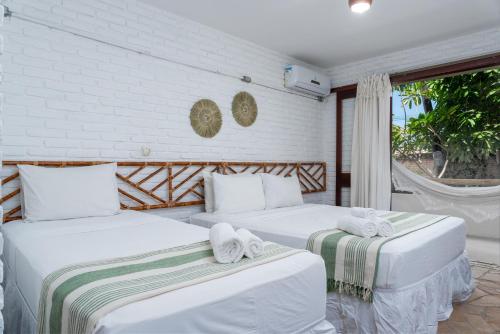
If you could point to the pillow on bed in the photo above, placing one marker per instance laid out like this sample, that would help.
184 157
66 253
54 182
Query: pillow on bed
238 193
63 193
209 191
281 191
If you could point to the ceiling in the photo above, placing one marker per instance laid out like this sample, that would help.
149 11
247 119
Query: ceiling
325 32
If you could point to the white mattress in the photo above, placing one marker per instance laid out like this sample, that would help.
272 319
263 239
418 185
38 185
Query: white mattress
257 300
402 261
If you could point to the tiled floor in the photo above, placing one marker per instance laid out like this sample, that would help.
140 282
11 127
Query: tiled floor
481 313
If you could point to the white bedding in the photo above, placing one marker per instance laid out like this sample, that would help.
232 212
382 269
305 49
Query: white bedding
403 261
257 300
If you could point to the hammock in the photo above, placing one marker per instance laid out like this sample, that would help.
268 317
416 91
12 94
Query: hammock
475 204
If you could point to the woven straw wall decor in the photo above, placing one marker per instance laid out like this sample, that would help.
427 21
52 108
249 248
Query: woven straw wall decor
206 118
244 109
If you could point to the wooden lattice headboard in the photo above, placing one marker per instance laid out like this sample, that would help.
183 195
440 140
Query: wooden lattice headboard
154 185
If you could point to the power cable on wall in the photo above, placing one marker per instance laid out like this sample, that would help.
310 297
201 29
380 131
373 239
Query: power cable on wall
245 78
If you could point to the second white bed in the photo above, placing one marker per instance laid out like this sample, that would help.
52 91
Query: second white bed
403 261
419 274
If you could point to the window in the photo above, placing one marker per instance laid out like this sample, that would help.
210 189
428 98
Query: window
448 129
406 149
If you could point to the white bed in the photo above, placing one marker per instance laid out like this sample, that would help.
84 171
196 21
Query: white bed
257 300
419 274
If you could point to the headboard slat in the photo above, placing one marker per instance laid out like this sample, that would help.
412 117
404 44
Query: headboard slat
146 185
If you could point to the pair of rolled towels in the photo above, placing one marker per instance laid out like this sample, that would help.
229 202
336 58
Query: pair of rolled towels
230 246
364 222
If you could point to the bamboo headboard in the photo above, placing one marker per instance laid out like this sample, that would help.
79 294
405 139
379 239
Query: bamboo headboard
153 185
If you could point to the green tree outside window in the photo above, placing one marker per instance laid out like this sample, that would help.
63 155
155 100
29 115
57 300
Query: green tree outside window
460 124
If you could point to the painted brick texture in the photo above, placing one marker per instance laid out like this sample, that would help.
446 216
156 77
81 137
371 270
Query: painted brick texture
68 98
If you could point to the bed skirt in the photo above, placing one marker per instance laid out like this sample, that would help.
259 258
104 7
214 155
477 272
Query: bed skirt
413 309
20 320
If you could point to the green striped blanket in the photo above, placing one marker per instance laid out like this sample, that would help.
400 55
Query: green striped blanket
74 298
351 261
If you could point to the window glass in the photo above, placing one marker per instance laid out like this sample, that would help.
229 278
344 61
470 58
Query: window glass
448 129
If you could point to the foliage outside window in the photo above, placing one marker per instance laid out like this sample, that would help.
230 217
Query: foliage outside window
449 128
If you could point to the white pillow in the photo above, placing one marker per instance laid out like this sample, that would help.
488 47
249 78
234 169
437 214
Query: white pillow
209 191
281 191
238 193
63 193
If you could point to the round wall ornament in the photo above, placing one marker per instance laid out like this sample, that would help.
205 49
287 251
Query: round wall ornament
244 109
206 118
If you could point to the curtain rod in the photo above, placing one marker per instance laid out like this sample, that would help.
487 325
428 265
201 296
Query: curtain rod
244 78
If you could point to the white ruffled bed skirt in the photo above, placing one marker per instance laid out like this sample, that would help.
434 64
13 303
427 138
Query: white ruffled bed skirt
413 309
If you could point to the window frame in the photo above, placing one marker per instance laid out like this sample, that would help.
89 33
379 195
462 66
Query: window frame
343 179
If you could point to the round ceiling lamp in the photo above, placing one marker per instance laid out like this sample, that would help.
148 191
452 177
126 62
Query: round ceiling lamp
360 6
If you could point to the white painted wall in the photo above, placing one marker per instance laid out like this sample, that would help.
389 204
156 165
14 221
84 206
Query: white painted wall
483 239
464 47
68 98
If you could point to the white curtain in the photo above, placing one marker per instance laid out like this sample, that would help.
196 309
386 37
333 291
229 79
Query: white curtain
476 204
371 151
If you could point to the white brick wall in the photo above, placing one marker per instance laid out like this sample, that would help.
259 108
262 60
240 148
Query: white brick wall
1 211
464 47
76 99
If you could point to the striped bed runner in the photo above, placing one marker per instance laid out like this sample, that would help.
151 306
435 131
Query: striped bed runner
352 262
73 299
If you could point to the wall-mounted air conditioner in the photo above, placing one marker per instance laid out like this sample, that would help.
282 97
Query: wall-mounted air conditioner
306 81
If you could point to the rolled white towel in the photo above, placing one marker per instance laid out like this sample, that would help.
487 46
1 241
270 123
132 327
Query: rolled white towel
362 227
254 246
363 212
227 244
385 228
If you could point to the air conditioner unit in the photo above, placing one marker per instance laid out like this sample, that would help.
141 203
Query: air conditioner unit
304 80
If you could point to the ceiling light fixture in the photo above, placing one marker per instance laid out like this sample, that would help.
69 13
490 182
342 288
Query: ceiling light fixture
360 6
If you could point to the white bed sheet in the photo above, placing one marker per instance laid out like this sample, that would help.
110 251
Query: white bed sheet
402 261
257 300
